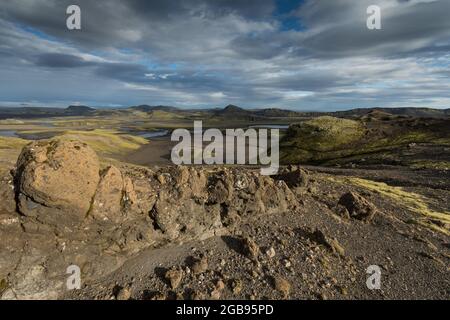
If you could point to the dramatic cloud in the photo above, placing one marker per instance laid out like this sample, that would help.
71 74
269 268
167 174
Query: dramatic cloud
301 55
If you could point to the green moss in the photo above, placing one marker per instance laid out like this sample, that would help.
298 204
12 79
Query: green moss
428 164
397 140
324 133
86 123
106 141
328 140
164 115
410 200
3 285
320 139
12 143
444 141
11 121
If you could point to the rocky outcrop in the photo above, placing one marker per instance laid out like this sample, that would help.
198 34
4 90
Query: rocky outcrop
357 206
56 180
60 183
73 211
195 201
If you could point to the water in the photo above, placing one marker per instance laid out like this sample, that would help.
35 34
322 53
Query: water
270 126
152 134
8 133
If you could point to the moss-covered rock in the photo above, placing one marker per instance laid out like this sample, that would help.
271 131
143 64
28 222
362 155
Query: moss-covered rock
397 141
320 138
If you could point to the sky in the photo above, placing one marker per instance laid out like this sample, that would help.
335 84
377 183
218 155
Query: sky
300 55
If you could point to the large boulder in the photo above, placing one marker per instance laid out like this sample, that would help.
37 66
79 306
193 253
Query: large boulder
56 180
357 206
294 177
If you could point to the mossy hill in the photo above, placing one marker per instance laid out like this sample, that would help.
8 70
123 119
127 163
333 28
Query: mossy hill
379 139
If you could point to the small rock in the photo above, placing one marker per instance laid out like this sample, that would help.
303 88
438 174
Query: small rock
220 285
287 263
323 296
215 294
236 286
357 206
158 296
270 252
282 285
250 248
123 294
344 291
330 243
200 265
197 295
174 277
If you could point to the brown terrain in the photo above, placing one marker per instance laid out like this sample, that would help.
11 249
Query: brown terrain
204 232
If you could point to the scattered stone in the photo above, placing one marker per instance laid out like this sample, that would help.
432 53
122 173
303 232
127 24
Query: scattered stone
287 263
343 290
220 285
282 285
330 243
270 252
250 248
215 294
174 277
357 206
158 296
123 293
323 296
183 207
200 265
197 295
236 286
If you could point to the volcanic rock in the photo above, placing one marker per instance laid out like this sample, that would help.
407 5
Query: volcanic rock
115 194
357 206
174 277
56 180
282 285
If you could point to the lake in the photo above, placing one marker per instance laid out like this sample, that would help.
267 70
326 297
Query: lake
8 133
270 126
152 134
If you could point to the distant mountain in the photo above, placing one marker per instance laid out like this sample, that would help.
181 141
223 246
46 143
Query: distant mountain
409 112
275 113
79 110
44 112
229 112
147 108
233 111
29 112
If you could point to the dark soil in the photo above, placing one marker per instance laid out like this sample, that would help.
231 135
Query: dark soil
413 259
